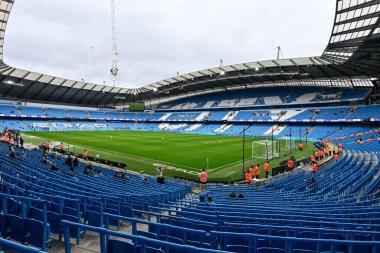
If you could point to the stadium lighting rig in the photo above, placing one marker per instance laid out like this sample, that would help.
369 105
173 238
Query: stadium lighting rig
11 82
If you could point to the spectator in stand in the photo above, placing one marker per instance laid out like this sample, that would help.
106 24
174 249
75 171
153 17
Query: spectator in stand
72 171
62 147
12 153
203 177
160 175
310 181
21 142
53 167
11 141
232 195
76 162
210 200
88 169
47 146
266 168
143 177
69 161
45 158
290 165
257 171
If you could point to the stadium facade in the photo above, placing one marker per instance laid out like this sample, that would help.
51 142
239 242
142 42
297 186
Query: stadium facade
334 208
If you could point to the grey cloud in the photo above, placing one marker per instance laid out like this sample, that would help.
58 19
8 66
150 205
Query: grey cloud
157 38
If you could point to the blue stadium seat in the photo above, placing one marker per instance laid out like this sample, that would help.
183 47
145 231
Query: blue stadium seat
74 232
270 250
33 230
54 219
14 227
2 225
238 248
117 246
36 214
93 219
149 250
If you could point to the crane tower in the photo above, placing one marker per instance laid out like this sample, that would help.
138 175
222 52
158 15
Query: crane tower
114 70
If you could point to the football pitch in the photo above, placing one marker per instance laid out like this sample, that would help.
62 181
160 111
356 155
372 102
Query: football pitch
183 155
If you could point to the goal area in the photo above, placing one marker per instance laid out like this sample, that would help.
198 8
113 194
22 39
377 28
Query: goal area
268 149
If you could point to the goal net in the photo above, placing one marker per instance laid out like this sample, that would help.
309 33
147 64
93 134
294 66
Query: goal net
289 144
265 149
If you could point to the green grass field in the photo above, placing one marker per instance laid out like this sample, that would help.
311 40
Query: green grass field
183 155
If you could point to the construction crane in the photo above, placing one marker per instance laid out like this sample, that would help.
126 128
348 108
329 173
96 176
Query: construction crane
279 52
114 70
88 59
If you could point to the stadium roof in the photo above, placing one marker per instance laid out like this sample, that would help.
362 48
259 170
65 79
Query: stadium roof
351 59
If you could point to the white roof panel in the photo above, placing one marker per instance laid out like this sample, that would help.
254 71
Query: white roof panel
68 83
303 61
46 79
253 65
89 86
268 64
33 76
240 67
98 87
284 62
216 70
58 81
228 68
19 73
197 74
79 85
107 88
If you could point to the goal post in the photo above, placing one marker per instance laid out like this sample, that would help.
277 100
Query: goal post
289 144
268 149
265 149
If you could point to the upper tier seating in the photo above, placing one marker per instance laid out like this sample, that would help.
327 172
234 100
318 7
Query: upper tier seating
269 96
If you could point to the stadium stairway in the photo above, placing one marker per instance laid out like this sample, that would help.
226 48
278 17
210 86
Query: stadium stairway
26 126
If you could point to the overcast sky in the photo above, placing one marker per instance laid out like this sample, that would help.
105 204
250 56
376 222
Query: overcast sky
157 38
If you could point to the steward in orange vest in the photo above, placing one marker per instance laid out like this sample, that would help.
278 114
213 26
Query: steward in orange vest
266 168
290 164
257 171
315 167
248 177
